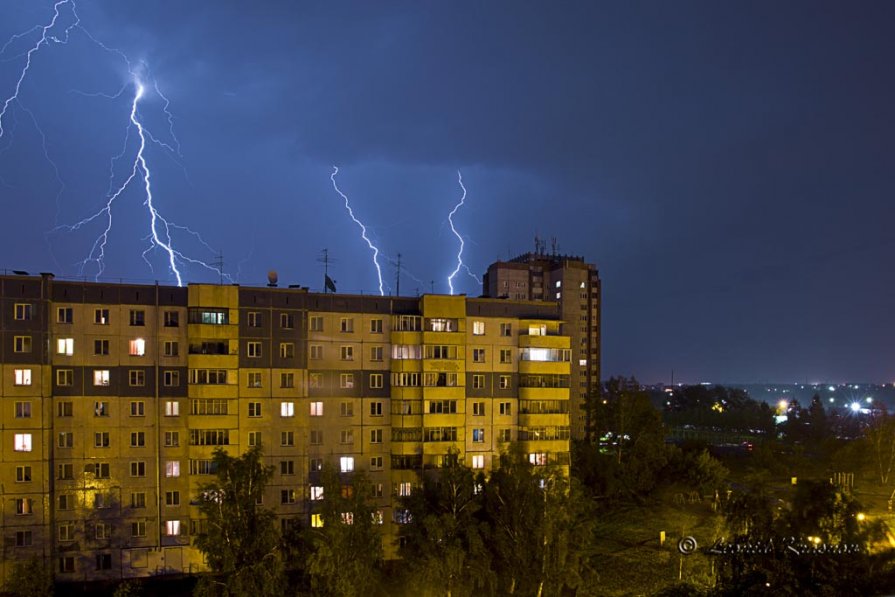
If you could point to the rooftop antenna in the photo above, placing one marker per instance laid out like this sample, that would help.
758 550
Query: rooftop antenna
537 244
553 244
398 276
325 259
219 264
432 285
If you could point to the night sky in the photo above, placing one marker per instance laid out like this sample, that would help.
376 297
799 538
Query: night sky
727 166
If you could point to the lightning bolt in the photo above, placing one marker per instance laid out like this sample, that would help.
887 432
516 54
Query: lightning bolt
363 230
160 228
460 264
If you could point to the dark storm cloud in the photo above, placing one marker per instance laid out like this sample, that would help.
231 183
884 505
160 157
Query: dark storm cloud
728 167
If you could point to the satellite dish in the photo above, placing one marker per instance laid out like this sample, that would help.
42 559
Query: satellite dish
272 277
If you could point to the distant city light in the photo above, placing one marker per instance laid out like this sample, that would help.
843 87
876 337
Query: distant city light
783 405
861 516
832 400
869 399
831 388
855 406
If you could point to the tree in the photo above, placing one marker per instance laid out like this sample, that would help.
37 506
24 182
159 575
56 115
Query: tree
880 437
241 544
31 578
344 553
444 537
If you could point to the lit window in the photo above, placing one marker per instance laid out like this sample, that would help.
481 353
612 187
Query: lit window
172 408
478 328
287 409
346 464
316 521
137 347
538 458
478 461
22 442
404 489
172 528
65 346
316 409
23 377
316 492
172 468
101 377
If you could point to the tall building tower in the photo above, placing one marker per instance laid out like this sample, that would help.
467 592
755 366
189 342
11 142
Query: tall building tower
573 284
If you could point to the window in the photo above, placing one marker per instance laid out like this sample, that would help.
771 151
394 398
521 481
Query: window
376 464
347 353
23 474
253 350
101 500
22 311
478 436
316 493
100 470
287 467
287 380
64 502
287 438
316 323
316 521
376 409
478 381
137 347
67 531
172 468
254 319
209 316
66 563
65 472
478 409
172 439
172 408
506 408
441 407
316 437
376 436
346 464
478 355
138 317
346 409
171 378
506 355
22 343
478 461
316 465
23 410
65 346
316 409
101 347
64 315
287 409
22 377
22 442
138 500
254 438
346 380
316 351
138 439
287 496
407 351
315 380
210 406
172 319
138 529
209 437
65 377
376 353
287 321
478 328
172 498
172 528
65 439
346 436
254 409
254 379
172 348
376 380
138 469
101 316
504 382
136 378
137 408
506 329
375 326
404 489
103 560
23 538
101 377
287 350
538 458
101 439
346 324
64 409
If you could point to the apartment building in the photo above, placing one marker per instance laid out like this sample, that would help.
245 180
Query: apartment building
114 397
575 287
